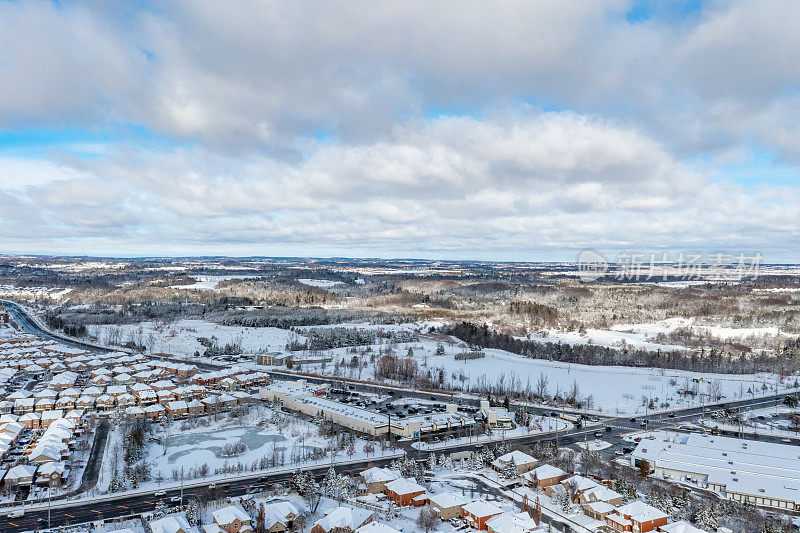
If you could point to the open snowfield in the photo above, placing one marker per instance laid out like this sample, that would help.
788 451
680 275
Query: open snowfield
209 283
615 389
180 337
320 283
642 335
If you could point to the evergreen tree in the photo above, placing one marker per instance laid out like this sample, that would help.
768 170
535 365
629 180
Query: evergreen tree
707 518
509 470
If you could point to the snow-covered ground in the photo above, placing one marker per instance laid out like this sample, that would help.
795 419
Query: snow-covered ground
593 445
320 283
768 421
180 337
643 335
269 440
209 283
614 389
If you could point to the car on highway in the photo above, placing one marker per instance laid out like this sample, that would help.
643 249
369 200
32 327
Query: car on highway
160 493
212 486
609 428
16 514
643 423
619 452
175 499
785 440
671 415
598 434
633 419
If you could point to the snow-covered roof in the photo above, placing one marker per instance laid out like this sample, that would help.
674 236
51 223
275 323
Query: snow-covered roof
227 515
520 458
640 511
446 500
277 512
376 527
512 523
344 517
748 467
481 508
172 524
404 486
545 472
377 474
21 472
681 526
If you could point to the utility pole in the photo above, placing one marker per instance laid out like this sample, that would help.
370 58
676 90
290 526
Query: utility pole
49 503
181 485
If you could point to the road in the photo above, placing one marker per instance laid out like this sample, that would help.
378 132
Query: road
612 429
136 504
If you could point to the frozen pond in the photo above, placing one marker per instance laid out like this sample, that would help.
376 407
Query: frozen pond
253 437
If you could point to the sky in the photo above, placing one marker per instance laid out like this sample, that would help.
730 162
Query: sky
510 130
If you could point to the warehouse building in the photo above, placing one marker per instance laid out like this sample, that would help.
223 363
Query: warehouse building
754 472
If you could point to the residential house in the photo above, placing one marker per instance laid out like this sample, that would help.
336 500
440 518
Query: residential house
636 516
173 523
22 475
376 478
521 460
342 520
404 492
447 505
512 522
280 516
230 519
479 512
544 476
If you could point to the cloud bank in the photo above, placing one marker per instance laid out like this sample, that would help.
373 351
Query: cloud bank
518 130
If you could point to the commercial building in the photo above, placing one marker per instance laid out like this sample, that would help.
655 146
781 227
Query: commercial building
754 472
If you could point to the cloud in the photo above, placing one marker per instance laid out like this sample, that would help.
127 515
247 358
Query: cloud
458 186
385 127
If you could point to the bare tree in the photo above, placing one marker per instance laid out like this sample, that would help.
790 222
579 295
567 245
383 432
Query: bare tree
541 386
427 520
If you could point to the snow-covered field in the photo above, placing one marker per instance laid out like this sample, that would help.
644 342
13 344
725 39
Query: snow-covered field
180 337
642 335
320 283
615 389
209 283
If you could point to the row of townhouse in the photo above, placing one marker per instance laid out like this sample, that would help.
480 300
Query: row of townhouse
234 378
44 456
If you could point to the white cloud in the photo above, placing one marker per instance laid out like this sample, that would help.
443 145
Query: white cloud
554 181
242 90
